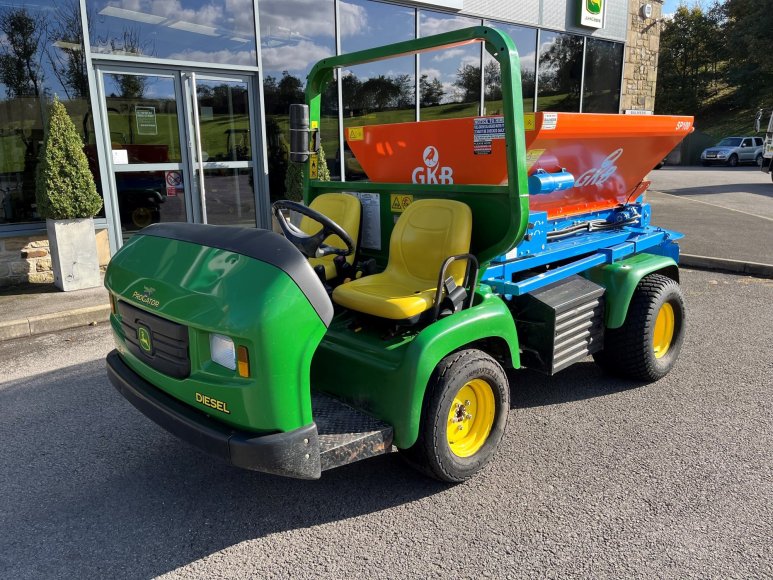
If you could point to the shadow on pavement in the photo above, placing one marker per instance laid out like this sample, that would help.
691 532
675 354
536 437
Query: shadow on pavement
583 380
91 488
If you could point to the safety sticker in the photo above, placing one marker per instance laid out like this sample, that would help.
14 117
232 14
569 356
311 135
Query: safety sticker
528 122
174 179
356 133
398 202
313 167
532 155
484 131
549 121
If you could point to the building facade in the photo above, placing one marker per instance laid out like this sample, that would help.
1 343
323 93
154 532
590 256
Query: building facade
183 104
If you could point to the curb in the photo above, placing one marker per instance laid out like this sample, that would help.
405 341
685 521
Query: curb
726 265
45 323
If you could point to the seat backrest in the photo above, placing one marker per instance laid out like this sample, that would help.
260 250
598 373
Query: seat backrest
428 232
343 209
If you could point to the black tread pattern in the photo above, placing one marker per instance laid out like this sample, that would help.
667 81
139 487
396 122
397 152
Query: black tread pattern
628 350
430 454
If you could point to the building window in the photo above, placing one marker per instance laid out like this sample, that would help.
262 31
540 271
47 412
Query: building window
560 72
41 56
449 79
525 40
379 92
216 31
287 57
603 69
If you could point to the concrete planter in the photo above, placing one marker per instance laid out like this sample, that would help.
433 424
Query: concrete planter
74 257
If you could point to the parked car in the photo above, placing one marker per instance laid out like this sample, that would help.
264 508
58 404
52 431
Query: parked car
734 150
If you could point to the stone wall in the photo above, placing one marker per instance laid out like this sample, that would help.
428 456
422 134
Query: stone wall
27 259
640 67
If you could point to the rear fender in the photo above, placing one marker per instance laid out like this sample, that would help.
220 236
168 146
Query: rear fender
621 278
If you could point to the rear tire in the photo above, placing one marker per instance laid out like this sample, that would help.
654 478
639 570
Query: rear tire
733 160
647 345
463 417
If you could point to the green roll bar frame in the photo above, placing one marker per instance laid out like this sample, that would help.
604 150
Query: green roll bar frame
504 231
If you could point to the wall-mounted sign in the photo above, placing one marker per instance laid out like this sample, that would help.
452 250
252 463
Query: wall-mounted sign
146 120
592 13
637 112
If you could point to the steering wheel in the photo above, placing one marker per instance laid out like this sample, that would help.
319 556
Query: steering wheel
311 246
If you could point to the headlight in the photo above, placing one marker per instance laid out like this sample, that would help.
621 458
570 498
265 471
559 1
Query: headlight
222 351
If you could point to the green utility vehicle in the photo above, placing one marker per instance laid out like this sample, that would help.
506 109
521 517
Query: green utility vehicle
388 317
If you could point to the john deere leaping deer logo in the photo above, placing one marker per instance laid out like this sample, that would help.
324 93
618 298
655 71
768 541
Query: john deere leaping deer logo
143 337
431 172
593 6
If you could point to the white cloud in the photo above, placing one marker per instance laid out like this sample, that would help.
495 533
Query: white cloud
307 20
293 58
471 60
432 73
240 57
448 54
431 25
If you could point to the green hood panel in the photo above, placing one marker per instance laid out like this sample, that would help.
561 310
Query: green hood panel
212 290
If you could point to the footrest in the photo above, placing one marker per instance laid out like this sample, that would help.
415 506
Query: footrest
347 435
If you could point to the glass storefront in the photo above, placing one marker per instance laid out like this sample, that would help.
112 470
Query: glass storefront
217 31
181 135
41 55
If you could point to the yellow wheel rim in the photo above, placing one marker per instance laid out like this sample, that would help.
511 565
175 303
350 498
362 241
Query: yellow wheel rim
664 330
470 418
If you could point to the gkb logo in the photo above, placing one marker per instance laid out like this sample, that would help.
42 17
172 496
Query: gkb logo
432 172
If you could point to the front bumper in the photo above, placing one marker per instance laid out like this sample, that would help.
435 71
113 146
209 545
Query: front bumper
292 454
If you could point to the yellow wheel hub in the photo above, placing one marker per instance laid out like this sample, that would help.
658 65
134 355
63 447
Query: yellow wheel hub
664 330
470 418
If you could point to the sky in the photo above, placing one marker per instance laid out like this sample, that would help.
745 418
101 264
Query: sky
670 6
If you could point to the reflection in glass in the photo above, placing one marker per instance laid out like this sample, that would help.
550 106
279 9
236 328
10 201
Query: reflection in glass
218 31
603 68
230 197
142 118
525 40
560 71
224 120
449 81
144 198
41 48
287 58
378 92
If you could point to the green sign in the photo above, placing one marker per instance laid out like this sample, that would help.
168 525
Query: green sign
143 336
591 13
146 120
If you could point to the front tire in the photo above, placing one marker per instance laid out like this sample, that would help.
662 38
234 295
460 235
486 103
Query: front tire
463 418
733 160
758 160
647 345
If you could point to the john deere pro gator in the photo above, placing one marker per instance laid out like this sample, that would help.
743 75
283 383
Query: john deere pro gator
388 316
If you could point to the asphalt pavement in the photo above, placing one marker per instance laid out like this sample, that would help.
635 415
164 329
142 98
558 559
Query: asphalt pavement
596 477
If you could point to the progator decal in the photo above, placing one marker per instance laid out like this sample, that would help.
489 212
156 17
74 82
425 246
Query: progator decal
146 297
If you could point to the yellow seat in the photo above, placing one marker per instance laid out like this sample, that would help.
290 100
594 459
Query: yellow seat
343 209
428 232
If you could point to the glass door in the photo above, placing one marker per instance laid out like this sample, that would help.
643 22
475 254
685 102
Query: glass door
180 146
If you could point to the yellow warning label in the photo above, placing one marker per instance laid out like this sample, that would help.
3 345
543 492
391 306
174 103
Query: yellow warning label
314 125
356 133
528 122
399 201
532 155
313 167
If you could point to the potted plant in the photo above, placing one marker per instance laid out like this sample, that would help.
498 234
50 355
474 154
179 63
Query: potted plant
67 197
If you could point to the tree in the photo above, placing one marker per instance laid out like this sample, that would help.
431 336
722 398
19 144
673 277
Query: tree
468 79
691 45
294 178
431 91
68 61
379 92
404 84
749 31
21 36
65 185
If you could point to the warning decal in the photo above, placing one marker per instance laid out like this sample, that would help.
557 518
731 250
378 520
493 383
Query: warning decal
528 122
549 121
313 167
356 133
398 202
485 130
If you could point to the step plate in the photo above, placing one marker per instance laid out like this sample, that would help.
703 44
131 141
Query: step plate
347 435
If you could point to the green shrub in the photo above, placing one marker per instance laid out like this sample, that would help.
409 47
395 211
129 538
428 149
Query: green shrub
294 177
65 186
